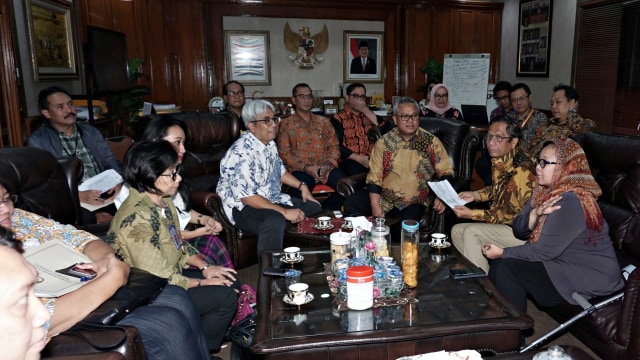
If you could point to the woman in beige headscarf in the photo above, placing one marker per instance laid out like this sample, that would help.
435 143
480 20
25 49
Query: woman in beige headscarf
569 249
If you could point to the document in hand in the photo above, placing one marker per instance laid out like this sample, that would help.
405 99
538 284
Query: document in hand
104 181
49 257
446 193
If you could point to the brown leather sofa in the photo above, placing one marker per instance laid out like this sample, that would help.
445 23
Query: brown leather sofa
613 332
44 186
461 144
209 137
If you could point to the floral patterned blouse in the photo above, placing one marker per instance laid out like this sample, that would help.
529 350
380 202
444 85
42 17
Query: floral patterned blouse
32 230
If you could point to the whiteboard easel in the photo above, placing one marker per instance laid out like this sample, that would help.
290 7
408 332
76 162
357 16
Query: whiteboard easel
467 77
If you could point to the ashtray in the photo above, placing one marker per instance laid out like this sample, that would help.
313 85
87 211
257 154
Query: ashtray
323 228
444 245
295 261
307 299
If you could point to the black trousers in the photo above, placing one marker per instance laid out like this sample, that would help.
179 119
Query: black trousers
216 306
516 278
359 204
352 167
334 202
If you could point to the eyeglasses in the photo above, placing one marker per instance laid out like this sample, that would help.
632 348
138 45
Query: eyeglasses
236 93
497 138
441 96
501 99
358 96
269 121
12 199
543 162
412 117
518 99
174 174
304 96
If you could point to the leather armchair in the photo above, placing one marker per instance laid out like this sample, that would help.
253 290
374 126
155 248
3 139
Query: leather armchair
49 187
461 146
612 332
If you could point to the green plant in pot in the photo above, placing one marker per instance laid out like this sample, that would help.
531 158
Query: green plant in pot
126 104
433 69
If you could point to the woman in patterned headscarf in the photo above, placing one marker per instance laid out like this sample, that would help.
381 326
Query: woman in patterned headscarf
569 249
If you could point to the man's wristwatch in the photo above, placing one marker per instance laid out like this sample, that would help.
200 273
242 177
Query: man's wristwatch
205 267
301 184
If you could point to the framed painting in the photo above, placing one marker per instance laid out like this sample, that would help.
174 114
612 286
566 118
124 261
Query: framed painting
363 59
247 57
50 24
534 38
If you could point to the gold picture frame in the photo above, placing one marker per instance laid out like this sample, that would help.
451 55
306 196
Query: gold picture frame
50 24
247 57
354 69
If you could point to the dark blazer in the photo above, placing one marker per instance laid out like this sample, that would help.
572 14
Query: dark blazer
356 66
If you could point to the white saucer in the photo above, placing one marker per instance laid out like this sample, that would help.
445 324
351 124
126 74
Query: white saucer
307 299
298 260
444 245
322 228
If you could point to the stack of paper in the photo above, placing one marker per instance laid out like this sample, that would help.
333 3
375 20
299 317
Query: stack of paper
49 257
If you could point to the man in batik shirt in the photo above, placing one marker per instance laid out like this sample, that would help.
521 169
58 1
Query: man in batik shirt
513 177
402 163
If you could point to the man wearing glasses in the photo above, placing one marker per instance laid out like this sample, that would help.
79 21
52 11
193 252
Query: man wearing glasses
352 126
501 96
309 147
251 178
234 99
402 163
527 117
513 176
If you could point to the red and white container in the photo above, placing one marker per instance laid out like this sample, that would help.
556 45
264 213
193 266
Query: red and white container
360 287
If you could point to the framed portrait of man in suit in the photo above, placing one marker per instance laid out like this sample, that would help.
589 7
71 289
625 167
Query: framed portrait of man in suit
363 56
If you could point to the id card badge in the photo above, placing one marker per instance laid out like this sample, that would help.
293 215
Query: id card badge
177 240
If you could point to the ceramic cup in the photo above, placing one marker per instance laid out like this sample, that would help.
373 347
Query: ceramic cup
298 293
324 222
438 239
348 224
292 253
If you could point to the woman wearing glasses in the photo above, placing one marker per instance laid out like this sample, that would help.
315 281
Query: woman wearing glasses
568 248
204 236
439 105
145 234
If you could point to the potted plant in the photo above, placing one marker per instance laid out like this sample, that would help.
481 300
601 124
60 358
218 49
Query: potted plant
433 71
124 106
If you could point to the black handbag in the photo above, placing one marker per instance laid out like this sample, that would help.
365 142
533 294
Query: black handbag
142 289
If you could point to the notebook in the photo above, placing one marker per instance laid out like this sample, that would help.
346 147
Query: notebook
475 115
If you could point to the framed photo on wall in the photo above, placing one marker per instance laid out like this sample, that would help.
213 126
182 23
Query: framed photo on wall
363 56
50 24
534 38
247 57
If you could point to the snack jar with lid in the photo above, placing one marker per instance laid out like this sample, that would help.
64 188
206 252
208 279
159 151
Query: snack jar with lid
409 239
360 287
381 236
339 246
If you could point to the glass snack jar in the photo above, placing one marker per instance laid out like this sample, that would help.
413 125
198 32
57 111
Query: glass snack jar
381 236
410 239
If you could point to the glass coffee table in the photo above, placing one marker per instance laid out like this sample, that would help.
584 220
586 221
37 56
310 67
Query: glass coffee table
448 315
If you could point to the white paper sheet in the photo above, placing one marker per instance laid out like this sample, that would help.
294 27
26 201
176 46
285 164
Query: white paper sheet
446 193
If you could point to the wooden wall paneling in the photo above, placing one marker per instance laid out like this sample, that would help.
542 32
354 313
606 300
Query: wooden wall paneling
488 34
388 12
417 32
10 124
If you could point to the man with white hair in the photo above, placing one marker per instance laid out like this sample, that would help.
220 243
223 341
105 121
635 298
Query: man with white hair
251 178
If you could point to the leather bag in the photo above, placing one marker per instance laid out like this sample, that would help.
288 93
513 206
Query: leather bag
142 289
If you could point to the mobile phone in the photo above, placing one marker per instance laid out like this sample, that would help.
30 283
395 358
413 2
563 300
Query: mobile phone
466 273
75 271
320 171
107 194
274 271
337 213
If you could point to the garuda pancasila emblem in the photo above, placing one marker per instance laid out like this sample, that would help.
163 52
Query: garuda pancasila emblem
307 48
